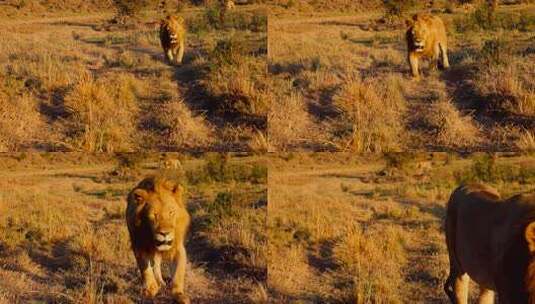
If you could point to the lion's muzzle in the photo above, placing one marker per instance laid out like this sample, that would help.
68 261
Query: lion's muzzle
164 240
419 45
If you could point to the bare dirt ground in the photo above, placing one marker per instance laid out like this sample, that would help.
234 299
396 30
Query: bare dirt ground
324 66
64 237
368 229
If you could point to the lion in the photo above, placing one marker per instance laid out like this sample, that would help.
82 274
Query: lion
157 222
426 37
230 4
171 164
172 38
492 241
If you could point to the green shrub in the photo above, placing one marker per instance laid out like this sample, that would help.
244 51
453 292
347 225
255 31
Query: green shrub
129 8
485 169
219 169
495 51
398 7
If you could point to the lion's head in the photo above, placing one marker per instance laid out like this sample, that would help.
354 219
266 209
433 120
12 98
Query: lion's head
419 29
157 208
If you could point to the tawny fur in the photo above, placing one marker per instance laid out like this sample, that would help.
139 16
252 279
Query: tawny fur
492 242
426 38
156 210
173 38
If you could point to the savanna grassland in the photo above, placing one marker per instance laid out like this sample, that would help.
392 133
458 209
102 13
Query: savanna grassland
72 80
368 228
63 236
342 79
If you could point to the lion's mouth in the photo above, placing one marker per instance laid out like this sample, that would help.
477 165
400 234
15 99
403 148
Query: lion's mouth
419 46
163 245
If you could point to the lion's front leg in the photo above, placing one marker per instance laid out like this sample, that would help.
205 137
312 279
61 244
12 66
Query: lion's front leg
413 61
180 53
158 269
147 274
178 280
169 54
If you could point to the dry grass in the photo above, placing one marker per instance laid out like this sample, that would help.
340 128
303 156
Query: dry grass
450 127
509 86
346 228
63 237
101 114
374 111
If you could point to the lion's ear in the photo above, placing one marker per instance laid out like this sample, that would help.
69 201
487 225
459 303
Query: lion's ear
409 22
529 234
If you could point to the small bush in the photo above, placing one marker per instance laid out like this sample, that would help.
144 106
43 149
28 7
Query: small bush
129 8
495 51
482 19
397 8
485 169
219 169
183 129
449 126
400 161
220 207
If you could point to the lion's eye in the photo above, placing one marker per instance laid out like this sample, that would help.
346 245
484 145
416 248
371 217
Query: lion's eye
152 216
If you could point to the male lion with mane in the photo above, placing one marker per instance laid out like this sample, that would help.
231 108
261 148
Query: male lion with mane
492 241
426 37
157 222
172 38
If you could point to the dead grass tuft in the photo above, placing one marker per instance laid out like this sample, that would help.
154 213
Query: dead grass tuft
374 259
183 129
102 114
20 122
449 126
373 111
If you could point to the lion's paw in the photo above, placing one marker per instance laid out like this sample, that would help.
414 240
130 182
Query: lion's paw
151 289
180 298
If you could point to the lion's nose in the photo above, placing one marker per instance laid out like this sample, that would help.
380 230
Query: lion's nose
165 236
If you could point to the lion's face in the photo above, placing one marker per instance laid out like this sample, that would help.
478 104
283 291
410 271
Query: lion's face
419 33
160 214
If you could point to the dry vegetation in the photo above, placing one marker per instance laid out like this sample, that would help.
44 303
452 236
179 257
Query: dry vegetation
333 73
368 228
63 236
80 83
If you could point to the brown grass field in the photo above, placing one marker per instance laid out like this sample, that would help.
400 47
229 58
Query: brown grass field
368 228
341 81
71 81
63 236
